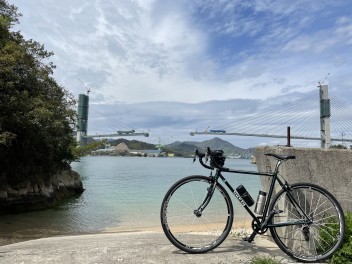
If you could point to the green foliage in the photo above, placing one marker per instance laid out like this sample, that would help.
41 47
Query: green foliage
37 114
344 254
80 151
339 146
328 233
263 260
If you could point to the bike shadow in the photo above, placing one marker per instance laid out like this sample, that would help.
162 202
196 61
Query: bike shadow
236 246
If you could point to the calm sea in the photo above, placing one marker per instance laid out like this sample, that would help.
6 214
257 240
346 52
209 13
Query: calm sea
122 193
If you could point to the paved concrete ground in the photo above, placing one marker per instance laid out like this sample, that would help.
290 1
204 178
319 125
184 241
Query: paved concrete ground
138 247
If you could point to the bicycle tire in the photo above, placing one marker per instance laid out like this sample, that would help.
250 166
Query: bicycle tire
187 231
316 241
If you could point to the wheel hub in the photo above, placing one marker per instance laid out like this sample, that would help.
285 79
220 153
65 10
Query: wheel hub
197 213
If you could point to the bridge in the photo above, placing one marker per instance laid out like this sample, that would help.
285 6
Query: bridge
323 120
301 120
82 123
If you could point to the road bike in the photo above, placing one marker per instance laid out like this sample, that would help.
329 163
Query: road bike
305 220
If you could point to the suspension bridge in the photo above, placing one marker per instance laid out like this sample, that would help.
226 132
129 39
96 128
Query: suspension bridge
321 119
325 120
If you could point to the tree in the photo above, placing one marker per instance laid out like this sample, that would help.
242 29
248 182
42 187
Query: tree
338 146
37 114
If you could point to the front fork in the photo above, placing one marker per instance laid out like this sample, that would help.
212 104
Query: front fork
210 191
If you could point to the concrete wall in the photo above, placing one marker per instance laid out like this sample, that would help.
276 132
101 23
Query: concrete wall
329 168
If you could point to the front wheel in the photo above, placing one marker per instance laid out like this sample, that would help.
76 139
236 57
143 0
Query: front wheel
190 229
314 241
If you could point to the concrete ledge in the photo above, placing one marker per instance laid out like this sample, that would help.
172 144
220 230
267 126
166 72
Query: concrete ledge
329 168
139 247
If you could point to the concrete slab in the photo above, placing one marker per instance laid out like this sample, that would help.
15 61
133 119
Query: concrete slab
132 247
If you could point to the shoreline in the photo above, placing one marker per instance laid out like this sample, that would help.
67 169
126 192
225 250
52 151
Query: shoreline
239 226
138 247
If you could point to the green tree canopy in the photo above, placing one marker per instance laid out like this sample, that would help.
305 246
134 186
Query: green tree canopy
36 114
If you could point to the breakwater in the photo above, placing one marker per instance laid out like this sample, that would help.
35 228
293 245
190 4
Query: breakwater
329 168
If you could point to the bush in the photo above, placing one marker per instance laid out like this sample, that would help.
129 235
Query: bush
263 260
344 254
37 115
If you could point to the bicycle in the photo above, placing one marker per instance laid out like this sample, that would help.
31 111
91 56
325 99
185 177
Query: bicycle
305 220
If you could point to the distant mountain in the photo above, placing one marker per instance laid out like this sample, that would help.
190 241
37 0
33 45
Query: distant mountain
184 149
133 144
187 148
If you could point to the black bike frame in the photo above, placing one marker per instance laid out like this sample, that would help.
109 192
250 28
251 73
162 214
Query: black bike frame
265 217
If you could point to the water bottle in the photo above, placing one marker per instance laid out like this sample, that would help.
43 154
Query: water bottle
245 195
259 206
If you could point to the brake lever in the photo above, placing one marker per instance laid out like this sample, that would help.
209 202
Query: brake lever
195 155
206 156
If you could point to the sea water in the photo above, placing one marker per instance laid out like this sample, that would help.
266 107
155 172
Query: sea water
121 193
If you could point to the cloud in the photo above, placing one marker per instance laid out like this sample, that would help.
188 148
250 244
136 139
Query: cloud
136 51
181 65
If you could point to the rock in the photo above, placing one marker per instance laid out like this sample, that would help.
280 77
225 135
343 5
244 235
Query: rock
27 196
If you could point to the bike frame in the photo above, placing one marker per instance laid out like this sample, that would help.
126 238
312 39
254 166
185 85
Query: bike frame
266 216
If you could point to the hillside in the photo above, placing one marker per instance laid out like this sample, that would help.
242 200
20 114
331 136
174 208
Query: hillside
187 148
133 144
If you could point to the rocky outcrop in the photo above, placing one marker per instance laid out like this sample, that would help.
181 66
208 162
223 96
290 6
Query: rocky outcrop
28 196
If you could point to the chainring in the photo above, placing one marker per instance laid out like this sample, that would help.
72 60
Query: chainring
256 228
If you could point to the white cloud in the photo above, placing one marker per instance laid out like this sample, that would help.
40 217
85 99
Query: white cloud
344 29
192 51
152 50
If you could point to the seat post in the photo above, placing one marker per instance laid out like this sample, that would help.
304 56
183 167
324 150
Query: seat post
278 163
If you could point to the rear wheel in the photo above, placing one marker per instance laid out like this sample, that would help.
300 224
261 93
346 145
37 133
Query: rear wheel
190 229
311 242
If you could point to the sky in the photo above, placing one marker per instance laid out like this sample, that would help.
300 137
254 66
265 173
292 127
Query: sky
171 67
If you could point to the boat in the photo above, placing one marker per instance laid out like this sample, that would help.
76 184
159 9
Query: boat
253 160
234 156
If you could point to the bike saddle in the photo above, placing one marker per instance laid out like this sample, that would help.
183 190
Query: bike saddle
281 157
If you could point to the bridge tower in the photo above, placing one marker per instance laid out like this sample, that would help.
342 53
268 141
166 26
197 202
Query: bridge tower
82 119
324 116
